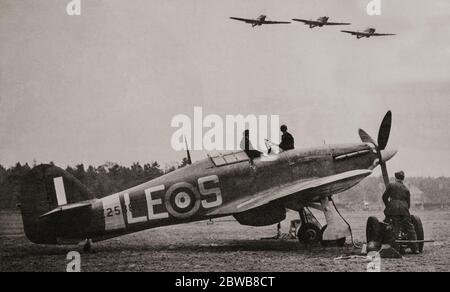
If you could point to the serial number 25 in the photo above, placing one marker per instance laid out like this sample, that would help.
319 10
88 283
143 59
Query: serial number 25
113 212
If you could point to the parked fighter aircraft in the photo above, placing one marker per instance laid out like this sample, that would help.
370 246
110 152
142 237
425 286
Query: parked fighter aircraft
259 21
58 209
320 22
370 32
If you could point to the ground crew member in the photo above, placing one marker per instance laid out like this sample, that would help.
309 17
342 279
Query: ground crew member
397 200
287 141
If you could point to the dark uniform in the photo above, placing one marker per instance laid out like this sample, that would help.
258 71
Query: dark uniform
287 141
397 200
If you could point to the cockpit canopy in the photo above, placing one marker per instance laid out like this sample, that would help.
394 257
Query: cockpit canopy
229 158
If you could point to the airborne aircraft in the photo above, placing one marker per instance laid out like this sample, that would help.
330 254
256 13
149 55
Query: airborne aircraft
320 22
259 21
370 32
58 209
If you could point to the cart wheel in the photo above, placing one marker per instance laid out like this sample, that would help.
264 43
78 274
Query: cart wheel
329 243
373 230
419 230
309 233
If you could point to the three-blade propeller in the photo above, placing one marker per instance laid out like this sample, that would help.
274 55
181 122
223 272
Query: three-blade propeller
380 146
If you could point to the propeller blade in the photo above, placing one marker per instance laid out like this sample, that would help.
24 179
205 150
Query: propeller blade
385 130
384 173
385 155
366 137
188 152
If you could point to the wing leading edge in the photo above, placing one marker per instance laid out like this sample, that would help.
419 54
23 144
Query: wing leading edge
337 23
315 22
307 21
275 22
383 34
355 32
255 21
366 34
321 187
244 20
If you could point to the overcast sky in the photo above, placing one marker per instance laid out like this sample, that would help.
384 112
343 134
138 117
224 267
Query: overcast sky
105 85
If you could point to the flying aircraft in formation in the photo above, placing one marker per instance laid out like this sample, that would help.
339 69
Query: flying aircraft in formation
320 22
58 209
259 21
370 32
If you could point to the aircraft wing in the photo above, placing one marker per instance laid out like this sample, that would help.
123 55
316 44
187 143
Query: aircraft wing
359 33
275 22
307 21
383 34
311 189
337 23
245 20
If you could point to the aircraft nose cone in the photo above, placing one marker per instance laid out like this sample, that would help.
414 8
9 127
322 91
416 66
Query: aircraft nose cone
387 154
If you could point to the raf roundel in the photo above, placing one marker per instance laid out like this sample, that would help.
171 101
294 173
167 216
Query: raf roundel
182 200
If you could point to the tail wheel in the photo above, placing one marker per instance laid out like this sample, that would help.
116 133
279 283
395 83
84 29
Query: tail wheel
330 243
373 233
309 233
419 230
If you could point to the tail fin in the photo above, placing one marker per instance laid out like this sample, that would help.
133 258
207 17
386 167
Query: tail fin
44 188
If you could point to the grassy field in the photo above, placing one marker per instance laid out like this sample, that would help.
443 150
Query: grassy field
222 246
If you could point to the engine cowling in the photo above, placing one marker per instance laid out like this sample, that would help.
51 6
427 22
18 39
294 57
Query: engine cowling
262 216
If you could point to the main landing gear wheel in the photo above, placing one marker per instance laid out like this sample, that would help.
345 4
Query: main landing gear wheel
310 230
419 231
331 243
309 234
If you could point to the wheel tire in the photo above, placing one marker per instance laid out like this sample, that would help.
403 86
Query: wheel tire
373 230
309 233
418 226
331 243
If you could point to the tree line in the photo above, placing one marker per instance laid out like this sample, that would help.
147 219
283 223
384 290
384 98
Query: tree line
426 191
111 177
102 180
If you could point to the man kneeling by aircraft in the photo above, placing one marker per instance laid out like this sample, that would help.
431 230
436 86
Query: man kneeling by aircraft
397 200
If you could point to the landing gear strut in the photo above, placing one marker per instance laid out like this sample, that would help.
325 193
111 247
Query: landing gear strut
312 232
337 229
310 228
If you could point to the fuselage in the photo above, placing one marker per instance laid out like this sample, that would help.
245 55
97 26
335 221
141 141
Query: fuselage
368 33
191 193
321 21
260 20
